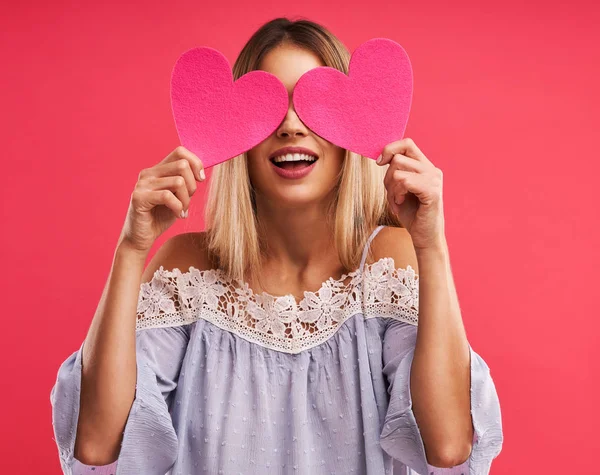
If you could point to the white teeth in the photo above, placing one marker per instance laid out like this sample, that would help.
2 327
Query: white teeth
294 157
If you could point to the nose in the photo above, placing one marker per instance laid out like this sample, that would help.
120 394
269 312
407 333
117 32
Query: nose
291 126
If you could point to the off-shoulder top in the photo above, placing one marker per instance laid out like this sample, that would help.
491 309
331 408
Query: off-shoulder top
232 382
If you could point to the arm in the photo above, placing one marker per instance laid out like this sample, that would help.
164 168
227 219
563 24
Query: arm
89 382
443 410
440 373
108 376
401 435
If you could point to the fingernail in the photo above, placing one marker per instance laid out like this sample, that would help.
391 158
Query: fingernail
182 214
379 159
202 175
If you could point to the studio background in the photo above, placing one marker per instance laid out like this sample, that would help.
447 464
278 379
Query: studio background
505 103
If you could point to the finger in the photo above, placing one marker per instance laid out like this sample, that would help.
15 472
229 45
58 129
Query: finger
159 197
394 175
402 181
393 205
399 192
179 168
402 162
401 185
176 185
196 165
405 147
414 183
396 197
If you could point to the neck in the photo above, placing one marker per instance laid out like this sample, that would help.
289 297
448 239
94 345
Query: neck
297 238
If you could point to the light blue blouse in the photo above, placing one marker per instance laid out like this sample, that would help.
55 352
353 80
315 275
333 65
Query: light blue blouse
232 382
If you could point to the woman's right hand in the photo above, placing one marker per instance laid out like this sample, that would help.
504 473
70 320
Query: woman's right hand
161 194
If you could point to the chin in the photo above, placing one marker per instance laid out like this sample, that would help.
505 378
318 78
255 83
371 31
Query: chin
314 189
298 196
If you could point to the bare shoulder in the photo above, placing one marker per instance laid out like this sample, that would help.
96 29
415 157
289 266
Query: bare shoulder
395 243
181 252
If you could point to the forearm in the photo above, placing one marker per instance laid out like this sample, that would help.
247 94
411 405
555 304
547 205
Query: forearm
109 363
440 374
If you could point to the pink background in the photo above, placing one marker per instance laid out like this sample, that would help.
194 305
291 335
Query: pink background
505 103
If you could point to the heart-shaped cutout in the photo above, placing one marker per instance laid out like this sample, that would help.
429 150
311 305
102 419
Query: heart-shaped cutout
364 110
217 118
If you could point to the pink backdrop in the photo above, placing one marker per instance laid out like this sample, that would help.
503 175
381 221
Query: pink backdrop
506 104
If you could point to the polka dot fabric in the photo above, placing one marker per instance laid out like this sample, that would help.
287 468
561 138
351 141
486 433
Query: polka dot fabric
81 469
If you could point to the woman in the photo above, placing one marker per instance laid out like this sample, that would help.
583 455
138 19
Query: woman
283 339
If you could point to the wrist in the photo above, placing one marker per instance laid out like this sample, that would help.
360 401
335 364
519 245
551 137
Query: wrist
437 246
125 250
437 250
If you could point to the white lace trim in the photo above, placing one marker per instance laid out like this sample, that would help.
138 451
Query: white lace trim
174 298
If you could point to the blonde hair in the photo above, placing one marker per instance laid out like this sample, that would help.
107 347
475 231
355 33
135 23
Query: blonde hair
360 204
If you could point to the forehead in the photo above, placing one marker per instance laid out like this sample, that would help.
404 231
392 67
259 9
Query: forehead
288 63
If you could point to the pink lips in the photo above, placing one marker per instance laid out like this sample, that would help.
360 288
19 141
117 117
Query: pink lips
293 174
296 173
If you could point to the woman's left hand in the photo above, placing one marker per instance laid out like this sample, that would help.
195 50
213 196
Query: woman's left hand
414 191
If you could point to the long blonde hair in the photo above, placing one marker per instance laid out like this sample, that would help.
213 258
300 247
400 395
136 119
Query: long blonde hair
360 204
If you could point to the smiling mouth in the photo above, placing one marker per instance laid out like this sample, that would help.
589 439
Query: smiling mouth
294 161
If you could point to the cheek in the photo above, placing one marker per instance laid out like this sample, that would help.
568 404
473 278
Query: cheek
337 155
332 151
253 153
256 167
259 151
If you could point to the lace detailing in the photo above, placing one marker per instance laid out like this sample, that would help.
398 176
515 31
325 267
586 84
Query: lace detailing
175 298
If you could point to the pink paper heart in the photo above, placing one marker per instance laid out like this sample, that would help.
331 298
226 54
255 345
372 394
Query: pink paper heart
365 110
217 118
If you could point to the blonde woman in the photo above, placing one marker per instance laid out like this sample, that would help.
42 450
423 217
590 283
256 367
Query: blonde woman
312 328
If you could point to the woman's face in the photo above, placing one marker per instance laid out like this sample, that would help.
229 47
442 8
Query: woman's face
273 190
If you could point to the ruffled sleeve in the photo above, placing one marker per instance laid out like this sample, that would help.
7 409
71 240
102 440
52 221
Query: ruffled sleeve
149 443
400 436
